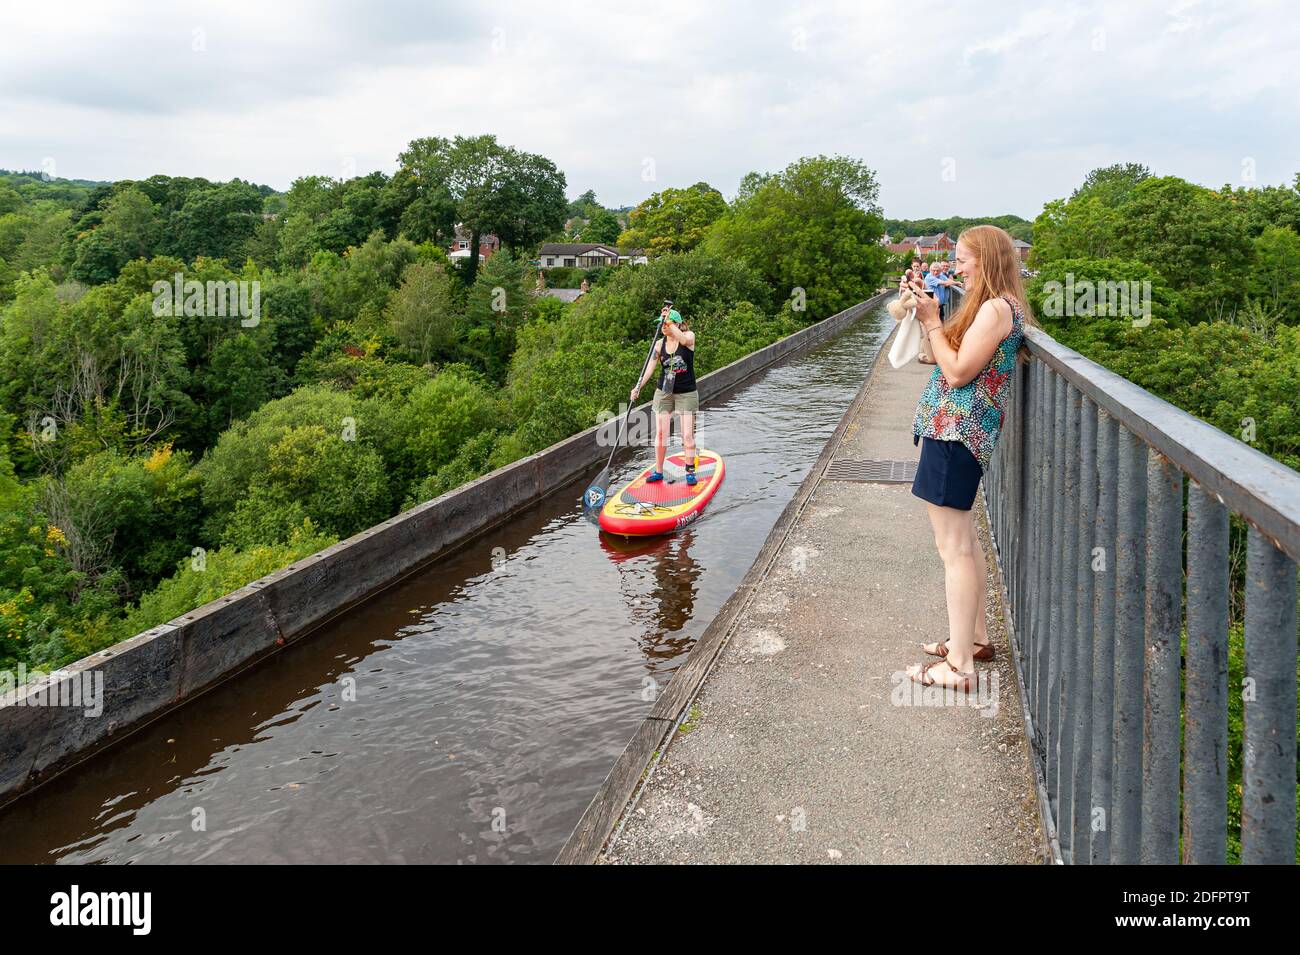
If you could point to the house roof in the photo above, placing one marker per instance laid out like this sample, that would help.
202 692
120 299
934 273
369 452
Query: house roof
463 233
1021 244
575 248
563 294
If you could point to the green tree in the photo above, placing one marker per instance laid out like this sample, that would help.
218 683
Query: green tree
812 231
41 242
419 193
10 200
1267 206
297 235
13 229
136 510
601 226
131 228
238 460
216 221
333 214
222 571
106 356
422 312
1193 236
1275 279
1112 185
1073 299
425 431
954 225
495 308
488 187
625 308
134 223
237 379
1074 228
43 598
674 220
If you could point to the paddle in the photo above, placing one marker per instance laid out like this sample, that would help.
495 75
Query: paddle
594 497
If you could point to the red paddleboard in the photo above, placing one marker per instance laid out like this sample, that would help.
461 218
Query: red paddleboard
640 509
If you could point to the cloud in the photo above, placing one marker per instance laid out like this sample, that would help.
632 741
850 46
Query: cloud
959 109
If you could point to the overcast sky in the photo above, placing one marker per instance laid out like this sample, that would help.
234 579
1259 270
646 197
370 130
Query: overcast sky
969 112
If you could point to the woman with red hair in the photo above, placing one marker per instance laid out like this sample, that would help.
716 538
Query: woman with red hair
958 421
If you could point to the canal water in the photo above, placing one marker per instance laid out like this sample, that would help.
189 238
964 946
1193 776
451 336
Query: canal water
470 713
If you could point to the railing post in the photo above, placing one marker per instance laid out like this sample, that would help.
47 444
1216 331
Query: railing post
1069 591
1017 501
1043 559
1268 817
1056 635
1205 745
1130 570
1103 644
1033 493
1163 685
1081 704
1024 533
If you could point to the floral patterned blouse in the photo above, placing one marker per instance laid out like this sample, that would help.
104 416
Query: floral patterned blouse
972 414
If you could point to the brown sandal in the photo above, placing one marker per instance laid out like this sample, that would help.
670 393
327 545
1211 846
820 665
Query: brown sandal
966 683
983 651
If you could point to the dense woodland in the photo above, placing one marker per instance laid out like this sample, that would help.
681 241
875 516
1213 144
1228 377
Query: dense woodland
151 461
953 225
1224 272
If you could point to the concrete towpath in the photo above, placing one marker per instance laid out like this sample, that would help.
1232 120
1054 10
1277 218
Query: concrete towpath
805 744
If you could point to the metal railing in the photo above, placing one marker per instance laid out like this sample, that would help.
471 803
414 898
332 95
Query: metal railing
1085 497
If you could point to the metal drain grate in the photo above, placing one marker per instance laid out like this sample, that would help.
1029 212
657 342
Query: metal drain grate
871 472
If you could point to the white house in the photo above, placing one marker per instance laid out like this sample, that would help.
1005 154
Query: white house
576 255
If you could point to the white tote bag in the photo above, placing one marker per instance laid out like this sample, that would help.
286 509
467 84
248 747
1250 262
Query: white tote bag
907 343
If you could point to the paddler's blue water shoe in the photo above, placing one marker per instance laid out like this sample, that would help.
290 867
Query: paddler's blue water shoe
654 476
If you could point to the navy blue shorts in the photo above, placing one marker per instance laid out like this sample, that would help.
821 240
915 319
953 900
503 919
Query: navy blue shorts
948 474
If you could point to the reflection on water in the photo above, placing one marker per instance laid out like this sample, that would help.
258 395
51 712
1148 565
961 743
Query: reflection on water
471 712
666 612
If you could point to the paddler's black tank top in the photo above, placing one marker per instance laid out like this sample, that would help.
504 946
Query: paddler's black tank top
676 370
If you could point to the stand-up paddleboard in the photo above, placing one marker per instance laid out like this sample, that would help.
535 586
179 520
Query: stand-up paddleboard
640 509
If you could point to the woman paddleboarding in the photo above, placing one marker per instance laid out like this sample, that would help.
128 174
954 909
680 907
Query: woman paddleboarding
675 354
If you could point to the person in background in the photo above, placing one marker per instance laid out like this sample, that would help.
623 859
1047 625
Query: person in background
911 278
937 281
927 284
911 275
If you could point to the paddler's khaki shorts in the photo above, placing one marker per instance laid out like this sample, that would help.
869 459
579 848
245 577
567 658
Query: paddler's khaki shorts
688 402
